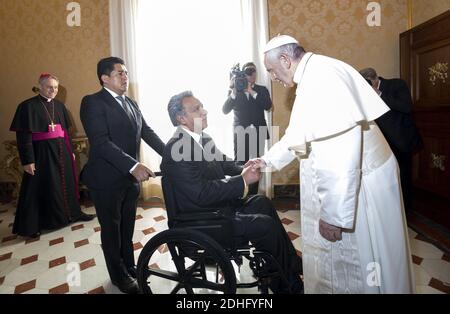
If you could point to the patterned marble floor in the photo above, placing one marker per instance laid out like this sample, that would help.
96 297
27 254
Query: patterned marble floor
48 264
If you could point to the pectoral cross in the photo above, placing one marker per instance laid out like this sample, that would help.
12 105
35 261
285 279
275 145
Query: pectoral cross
52 126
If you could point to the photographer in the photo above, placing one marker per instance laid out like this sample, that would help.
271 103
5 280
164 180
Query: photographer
248 101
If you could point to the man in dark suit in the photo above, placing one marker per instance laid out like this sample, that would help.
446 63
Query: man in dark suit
397 126
197 170
114 126
250 127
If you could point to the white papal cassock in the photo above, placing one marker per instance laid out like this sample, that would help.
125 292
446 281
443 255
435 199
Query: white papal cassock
349 178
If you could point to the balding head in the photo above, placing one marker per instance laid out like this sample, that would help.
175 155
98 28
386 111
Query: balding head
371 76
369 73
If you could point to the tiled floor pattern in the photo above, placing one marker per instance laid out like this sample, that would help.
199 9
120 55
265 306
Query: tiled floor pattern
50 263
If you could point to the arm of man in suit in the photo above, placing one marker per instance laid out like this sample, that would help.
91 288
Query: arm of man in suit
203 192
230 103
400 100
151 138
263 99
229 166
94 122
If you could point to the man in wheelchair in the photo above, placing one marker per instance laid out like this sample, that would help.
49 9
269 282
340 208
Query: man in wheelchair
197 172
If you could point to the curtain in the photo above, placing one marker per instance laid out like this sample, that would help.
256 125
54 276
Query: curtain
124 20
255 21
175 45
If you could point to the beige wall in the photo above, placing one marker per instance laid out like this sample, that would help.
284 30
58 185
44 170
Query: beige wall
423 10
336 28
35 38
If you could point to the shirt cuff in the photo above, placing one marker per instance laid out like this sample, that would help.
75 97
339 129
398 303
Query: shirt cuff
134 167
233 95
267 161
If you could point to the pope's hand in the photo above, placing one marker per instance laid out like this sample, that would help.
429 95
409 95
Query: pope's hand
142 173
330 232
30 169
256 163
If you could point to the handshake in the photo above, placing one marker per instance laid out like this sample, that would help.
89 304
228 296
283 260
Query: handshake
252 170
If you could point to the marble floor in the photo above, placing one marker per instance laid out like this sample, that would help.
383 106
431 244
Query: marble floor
70 260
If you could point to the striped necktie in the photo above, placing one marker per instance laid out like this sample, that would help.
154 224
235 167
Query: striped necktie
126 108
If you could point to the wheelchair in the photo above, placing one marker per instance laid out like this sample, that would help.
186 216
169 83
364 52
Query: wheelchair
196 254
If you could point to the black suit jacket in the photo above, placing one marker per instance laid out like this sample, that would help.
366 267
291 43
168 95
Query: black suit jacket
397 124
249 111
114 140
198 180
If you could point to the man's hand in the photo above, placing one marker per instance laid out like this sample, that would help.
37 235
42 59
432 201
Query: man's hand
142 173
330 232
251 175
30 169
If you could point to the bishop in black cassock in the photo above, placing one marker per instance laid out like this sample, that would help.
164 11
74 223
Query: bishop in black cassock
48 196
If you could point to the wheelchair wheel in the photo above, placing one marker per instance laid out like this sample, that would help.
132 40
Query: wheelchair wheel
184 261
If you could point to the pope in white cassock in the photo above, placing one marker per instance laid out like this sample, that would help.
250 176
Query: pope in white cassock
352 219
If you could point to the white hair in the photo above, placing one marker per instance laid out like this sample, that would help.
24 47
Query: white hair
42 79
294 51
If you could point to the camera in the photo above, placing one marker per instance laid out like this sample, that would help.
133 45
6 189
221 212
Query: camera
239 77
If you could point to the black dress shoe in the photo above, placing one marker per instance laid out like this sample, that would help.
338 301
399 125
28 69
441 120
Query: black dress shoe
128 285
85 217
35 235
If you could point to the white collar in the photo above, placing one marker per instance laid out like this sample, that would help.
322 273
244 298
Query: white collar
46 99
301 67
194 135
114 94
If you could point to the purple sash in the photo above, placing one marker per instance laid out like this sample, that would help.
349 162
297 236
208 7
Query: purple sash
59 133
